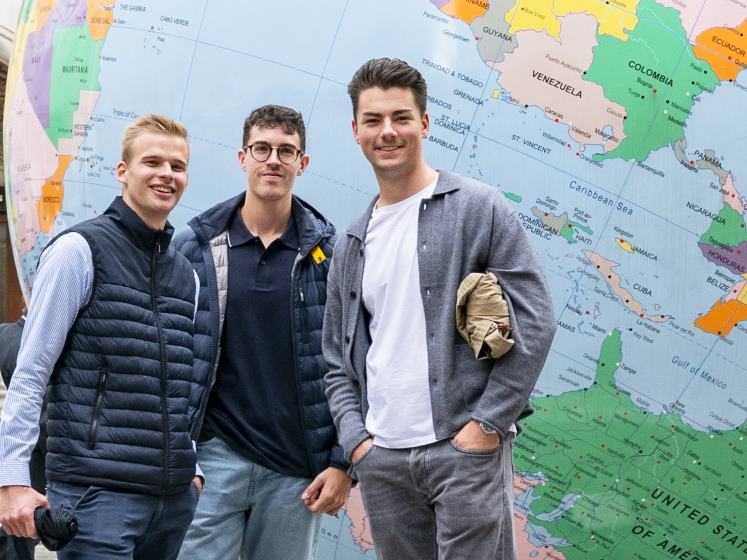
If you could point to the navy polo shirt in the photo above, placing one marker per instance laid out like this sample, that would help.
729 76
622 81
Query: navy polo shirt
254 406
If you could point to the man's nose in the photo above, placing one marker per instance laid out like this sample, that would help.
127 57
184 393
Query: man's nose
388 129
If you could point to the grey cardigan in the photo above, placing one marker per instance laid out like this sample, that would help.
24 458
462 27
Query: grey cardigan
465 227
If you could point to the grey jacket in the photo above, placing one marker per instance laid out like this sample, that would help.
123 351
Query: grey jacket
465 227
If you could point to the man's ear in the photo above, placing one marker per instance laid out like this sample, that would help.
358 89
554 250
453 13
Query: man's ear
305 159
121 173
241 154
355 131
425 124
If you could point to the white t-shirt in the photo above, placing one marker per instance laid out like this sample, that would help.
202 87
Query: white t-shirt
399 399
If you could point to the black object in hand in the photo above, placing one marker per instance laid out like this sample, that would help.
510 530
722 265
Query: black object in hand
56 526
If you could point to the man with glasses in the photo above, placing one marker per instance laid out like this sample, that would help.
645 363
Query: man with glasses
268 447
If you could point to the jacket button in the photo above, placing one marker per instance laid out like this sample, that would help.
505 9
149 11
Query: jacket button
353 295
347 338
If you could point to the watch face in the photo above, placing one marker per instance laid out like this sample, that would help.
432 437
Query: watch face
487 429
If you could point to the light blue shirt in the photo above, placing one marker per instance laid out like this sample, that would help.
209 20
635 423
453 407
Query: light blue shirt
61 288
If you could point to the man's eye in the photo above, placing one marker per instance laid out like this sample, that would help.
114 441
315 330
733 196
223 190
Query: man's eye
287 151
261 150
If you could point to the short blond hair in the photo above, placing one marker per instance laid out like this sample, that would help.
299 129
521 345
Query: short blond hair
158 124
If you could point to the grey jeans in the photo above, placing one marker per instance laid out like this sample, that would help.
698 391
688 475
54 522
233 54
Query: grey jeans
439 502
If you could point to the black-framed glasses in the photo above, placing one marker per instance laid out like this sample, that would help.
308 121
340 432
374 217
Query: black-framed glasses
261 152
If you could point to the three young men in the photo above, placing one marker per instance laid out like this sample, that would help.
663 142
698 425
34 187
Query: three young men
428 428
267 445
109 329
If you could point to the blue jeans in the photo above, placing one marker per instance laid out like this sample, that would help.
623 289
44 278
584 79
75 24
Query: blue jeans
122 525
248 510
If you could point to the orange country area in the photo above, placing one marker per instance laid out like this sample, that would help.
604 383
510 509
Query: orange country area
49 204
99 18
466 10
725 49
41 12
722 317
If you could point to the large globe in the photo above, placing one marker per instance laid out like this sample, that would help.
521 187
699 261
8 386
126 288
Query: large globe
615 129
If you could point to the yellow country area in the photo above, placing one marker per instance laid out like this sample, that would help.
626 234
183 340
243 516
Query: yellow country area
624 245
535 15
50 202
614 17
466 10
99 17
14 71
743 294
41 12
724 49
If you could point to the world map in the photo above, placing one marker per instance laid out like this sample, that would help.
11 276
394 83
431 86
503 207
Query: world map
617 129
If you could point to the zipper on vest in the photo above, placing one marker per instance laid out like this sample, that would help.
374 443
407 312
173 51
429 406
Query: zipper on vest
100 389
162 348
304 319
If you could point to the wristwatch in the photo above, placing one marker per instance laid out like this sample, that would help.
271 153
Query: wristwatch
486 429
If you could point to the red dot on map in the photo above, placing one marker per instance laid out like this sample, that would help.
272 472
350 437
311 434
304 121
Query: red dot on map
641 315
557 120
579 155
653 90
477 38
546 215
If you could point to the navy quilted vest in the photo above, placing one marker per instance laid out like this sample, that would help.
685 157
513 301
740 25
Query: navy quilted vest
118 397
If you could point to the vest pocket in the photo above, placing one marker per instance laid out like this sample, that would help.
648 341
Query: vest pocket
100 390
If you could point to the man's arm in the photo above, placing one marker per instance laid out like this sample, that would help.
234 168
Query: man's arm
344 403
516 266
62 286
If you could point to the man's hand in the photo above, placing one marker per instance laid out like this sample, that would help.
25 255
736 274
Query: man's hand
472 438
328 492
197 481
361 450
17 505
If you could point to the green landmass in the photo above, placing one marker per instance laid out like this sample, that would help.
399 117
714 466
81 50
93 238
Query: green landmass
627 471
582 227
26 10
727 229
567 233
512 196
658 44
75 67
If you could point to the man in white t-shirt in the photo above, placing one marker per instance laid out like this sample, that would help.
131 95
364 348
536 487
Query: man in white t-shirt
427 427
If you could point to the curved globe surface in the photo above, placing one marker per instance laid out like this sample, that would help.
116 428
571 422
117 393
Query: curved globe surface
615 129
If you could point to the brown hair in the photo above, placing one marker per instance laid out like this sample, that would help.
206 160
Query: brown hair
271 116
387 73
158 124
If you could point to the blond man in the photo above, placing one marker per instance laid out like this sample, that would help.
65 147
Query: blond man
109 338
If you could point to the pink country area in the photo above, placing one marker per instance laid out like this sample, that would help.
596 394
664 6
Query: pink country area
34 159
732 196
717 13
360 528
522 484
525 548
544 73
